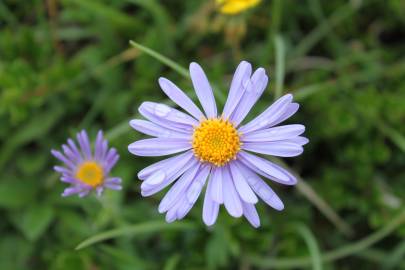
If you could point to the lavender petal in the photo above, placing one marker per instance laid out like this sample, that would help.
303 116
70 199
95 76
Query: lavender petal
203 90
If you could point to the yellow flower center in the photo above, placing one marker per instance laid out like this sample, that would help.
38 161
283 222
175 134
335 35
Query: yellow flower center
89 172
216 141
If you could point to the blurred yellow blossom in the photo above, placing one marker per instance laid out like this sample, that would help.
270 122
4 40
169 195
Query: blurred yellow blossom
236 6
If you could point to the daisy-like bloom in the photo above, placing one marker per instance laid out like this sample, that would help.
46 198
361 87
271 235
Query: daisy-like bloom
217 147
86 171
235 6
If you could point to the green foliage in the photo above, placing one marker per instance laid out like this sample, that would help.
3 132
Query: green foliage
67 65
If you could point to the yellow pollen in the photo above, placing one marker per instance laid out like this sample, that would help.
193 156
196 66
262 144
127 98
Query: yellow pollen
216 141
91 173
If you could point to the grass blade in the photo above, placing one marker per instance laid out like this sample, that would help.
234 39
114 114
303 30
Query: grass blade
142 228
312 244
167 61
280 65
336 254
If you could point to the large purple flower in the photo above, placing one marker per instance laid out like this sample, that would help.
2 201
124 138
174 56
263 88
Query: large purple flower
216 147
85 171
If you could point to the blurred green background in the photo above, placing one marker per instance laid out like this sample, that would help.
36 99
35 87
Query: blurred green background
67 65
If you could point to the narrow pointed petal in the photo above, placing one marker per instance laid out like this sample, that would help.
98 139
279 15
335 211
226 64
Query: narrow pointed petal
171 176
203 90
254 89
177 189
158 147
242 187
165 164
155 130
84 143
274 133
269 116
267 169
278 148
232 201
249 211
193 192
261 188
239 82
210 208
290 111
166 113
158 117
180 98
216 185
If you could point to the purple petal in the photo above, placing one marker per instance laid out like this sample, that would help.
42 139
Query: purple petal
254 89
154 130
242 187
261 188
291 110
298 140
70 154
158 146
210 208
249 211
62 170
203 90
177 189
269 116
274 133
71 191
232 201
165 164
110 160
99 191
170 114
278 148
166 117
69 179
113 181
62 158
113 186
267 168
98 149
216 185
239 81
84 143
172 173
171 215
75 150
193 192
180 98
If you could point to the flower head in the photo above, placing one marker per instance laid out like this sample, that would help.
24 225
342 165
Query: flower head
216 149
236 6
85 171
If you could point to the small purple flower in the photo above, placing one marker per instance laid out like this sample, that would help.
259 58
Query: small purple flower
85 171
216 147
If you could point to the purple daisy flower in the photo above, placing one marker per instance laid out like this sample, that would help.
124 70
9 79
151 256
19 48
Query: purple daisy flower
86 171
216 147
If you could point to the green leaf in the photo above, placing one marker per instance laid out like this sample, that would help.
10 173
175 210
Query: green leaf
34 220
142 228
16 193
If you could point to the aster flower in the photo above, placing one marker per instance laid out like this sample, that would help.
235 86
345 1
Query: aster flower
85 171
215 149
236 6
